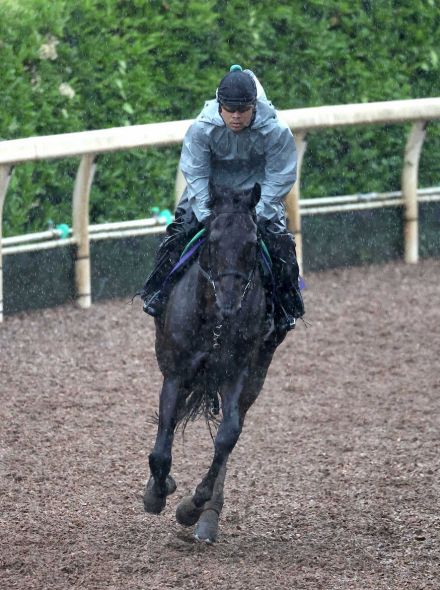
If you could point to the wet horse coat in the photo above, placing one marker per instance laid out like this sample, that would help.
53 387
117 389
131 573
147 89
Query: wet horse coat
214 349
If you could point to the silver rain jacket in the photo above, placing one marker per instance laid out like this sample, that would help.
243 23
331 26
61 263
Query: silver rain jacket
264 152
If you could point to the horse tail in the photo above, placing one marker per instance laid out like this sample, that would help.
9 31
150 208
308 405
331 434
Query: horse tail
202 400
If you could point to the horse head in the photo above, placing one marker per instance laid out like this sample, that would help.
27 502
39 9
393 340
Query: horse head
229 258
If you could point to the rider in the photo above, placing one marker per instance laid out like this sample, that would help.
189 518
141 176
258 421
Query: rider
236 140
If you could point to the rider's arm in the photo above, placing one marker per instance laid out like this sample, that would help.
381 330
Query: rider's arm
280 171
195 163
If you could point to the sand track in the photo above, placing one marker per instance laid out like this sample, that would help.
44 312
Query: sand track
334 483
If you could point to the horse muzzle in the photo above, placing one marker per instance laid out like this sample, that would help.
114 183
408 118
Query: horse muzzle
228 311
229 298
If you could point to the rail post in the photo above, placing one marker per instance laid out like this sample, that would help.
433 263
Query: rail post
5 177
179 186
410 175
80 204
292 199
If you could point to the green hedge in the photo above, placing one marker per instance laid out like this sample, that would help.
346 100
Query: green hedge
90 64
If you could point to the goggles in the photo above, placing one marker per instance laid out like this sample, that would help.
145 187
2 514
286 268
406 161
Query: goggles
233 108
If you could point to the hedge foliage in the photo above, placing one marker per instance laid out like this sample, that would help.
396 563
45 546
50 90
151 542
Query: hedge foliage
89 64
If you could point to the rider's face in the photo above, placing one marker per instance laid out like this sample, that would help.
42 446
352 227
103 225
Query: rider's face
237 118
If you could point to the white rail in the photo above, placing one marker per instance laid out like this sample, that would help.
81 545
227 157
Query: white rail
152 226
89 144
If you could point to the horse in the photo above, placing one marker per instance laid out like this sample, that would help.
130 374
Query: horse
214 346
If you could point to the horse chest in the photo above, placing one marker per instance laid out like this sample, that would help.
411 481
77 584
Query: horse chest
228 348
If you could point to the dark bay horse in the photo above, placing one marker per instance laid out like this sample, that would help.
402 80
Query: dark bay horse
214 348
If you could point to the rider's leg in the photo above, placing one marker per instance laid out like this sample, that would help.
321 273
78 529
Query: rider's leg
179 232
281 246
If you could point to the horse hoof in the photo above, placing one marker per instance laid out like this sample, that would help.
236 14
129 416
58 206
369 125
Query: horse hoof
207 527
153 503
187 513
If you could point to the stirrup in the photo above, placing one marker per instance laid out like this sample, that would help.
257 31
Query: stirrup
284 321
287 323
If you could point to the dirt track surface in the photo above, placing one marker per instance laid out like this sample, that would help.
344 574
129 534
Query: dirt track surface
334 483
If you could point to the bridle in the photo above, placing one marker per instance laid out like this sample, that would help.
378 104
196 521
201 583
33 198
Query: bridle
212 279
207 274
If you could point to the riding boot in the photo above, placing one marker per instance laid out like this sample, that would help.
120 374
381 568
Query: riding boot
288 299
159 283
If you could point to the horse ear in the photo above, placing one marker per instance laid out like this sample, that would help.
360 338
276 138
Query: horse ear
256 194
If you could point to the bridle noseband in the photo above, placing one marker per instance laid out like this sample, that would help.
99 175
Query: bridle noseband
235 273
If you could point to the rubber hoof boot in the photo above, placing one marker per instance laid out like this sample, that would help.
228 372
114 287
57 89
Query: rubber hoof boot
207 527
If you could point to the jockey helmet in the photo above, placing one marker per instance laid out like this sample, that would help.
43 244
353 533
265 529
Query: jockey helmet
237 88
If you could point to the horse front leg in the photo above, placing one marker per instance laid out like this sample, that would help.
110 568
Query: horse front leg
190 509
208 518
161 484
207 525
